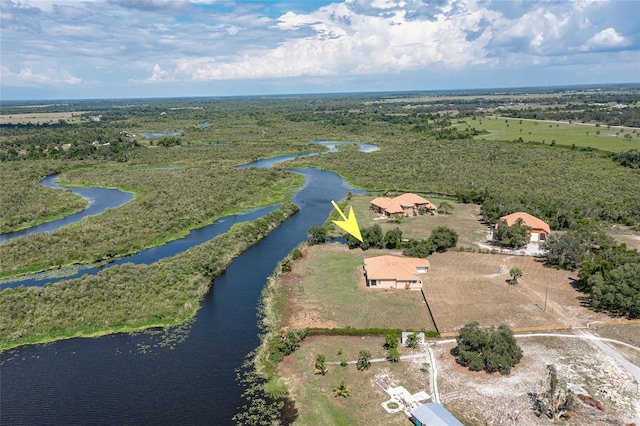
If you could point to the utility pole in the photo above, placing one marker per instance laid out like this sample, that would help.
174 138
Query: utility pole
546 291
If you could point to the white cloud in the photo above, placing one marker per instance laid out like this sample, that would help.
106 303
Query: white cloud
26 77
605 39
159 74
123 42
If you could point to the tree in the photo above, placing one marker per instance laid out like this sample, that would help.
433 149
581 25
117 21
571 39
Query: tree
342 390
515 273
372 237
557 401
412 340
317 235
393 238
418 248
393 355
491 350
514 236
390 341
568 250
445 208
364 360
321 365
443 238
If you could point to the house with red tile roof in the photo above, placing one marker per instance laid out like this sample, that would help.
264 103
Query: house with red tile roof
540 230
395 272
402 205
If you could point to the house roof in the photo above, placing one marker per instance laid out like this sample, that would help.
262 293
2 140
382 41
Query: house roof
409 200
434 414
528 220
389 205
394 267
397 204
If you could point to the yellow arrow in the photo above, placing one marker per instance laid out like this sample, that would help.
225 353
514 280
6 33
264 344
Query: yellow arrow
349 224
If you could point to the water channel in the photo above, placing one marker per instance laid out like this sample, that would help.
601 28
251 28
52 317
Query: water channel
136 379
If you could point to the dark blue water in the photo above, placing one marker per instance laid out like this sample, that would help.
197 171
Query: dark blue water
100 199
150 255
110 380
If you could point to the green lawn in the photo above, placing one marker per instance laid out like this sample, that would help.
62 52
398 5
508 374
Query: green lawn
330 288
314 393
464 220
582 135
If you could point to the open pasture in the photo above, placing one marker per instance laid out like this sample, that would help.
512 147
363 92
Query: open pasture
465 287
41 117
327 289
581 135
464 220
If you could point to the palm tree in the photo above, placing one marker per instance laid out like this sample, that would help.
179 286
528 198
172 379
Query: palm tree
342 390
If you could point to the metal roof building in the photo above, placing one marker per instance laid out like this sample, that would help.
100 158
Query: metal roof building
433 414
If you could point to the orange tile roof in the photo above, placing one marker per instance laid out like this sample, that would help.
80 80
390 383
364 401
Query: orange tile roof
399 203
389 205
528 220
394 267
409 200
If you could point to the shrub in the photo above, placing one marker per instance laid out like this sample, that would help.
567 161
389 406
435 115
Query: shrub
364 360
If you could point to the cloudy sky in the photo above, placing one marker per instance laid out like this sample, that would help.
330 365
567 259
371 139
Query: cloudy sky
54 49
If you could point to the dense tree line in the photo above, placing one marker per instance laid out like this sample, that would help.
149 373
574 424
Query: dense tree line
609 273
585 113
560 187
629 159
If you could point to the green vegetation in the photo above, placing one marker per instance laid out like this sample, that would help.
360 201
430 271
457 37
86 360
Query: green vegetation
611 276
514 236
565 135
609 273
126 297
342 390
26 203
320 365
364 360
559 186
159 213
515 273
490 350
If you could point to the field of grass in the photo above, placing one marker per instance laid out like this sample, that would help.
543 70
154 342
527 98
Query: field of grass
581 135
327 290
314 393
464 220
465 287
41 117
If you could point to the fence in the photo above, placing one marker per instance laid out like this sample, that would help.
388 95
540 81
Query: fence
543 328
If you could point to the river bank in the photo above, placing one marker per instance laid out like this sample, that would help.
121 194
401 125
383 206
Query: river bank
160 212
108 302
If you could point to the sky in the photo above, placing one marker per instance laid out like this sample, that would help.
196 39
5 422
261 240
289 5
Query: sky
69 49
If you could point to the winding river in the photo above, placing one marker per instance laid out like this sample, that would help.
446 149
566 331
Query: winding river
185 377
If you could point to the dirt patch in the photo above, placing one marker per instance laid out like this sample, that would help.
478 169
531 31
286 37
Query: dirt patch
462 287
482 398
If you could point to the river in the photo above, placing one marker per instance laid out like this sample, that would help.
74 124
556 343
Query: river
136 379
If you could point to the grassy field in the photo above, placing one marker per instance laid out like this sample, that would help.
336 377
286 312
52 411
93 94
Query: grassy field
464 220
465 287
41 117
314 393
327 289
582 135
